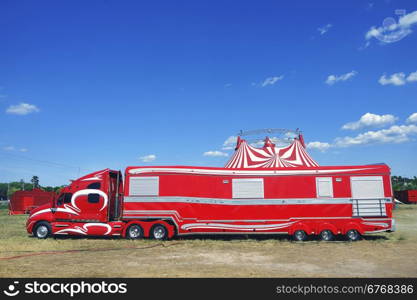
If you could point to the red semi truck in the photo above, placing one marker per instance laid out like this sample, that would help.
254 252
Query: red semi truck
163 202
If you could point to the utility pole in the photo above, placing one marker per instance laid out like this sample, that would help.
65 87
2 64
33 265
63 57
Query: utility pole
8 189
23 184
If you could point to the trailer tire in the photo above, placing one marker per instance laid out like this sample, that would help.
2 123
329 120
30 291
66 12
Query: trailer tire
326 235
300 235
159 232
134 232
42 230
353 235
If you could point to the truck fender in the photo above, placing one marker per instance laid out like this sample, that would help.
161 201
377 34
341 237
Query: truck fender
352 225
299 226
169 227
145 227
327 226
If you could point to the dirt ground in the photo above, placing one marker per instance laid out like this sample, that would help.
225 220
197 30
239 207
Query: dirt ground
381 255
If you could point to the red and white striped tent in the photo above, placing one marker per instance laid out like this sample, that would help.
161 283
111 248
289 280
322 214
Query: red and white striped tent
270 156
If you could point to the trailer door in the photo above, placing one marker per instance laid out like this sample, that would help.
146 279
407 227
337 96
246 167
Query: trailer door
368 196
115 194
367 187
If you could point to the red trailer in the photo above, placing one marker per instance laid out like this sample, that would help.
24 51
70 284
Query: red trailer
22 202
161 202
407 196
260 191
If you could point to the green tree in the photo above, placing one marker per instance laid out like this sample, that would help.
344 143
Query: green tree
400 183
35 182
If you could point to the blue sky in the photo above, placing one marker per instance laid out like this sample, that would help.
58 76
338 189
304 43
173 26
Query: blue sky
86 85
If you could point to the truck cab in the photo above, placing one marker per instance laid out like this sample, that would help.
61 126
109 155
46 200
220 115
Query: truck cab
90 205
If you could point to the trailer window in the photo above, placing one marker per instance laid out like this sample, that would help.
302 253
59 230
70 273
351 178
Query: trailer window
248 188
144 186
324 186
366 187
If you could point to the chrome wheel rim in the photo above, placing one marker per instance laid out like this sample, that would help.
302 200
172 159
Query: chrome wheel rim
325 235
352 235
42 231
299 235
134 232
159 232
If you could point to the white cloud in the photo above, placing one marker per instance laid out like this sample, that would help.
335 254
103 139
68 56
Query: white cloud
412 118
412 77
324 29
22 109
215 154
230 143
13 148
394 79
319 146
393 31
271 80
148 158
394 134
398 78
370 120
332 79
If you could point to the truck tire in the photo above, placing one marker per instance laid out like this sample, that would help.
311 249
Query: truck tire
326 235
300 235
42 230
159 232
134 232
353 235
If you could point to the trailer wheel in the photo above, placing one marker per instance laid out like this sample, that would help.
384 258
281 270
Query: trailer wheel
300 235
159 232
42 230
326 235
134 232
353 235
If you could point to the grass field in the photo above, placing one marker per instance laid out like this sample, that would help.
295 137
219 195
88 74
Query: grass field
382 255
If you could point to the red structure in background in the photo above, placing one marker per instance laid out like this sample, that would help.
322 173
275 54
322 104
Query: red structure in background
22 202
407 196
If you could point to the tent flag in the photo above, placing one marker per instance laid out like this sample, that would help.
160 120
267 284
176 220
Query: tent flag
270 156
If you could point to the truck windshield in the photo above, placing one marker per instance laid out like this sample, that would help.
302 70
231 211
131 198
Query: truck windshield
64 198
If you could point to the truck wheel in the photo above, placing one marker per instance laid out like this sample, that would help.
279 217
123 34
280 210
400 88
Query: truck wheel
299 235
353 235
42 230
159 232
134 232
326 235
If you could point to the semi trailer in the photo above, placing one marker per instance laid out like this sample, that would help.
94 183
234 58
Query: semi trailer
162 202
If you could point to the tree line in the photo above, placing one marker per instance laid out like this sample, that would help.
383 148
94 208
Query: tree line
403 183
399 183
9 188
